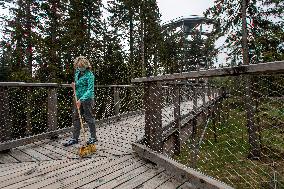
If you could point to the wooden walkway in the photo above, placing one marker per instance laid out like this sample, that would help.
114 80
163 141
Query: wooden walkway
47 164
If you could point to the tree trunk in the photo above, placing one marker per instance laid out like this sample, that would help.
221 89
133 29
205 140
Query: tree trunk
131 43
29 37
253 134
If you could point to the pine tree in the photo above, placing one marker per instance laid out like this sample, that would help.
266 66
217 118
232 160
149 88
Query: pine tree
265 35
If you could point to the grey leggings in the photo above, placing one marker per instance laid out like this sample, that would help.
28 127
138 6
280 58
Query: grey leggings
86 112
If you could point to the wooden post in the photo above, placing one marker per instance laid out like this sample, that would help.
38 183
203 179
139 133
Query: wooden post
194 127
253 134
194 110
28 113
213 115
153 115
177 140
116 101
52 110
203 94
5 121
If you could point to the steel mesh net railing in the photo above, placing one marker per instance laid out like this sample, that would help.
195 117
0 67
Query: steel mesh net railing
242 142
117 100
33 109
27 110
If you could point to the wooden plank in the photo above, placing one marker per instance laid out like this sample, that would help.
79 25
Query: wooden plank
95 173
29 140
169 184
35 177
269 67
7 158
99 180
36 155
63 177
181 172
126 177
156 181
61 153
13 167
72 151
18 178
186 185
21 156
52 154
139 180
23 168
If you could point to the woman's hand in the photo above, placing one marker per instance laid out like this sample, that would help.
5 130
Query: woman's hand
73 87
78 104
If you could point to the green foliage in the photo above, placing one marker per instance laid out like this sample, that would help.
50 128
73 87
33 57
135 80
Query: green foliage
226 159
265 28
140 23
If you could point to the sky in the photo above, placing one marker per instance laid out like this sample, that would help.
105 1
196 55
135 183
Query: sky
171 9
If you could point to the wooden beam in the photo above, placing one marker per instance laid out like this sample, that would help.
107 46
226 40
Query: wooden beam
177 119
153 115
23 84
52 109
27 140
270 67
5 120
116 101
181 172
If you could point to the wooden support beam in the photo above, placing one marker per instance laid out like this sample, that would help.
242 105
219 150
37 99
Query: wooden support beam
5 121
269 67
116 100
153 115
181 172
52 110
177 117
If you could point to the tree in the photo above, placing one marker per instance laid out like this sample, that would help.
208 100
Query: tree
139 26
264 34
245 41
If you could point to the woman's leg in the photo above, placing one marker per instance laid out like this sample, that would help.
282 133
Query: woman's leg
76 122
89 117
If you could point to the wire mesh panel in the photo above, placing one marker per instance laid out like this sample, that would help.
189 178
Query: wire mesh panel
226 123
115 100
30 110
65 105
242 141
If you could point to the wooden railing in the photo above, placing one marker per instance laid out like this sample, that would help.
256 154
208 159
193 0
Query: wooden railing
152 96
53 130
162 140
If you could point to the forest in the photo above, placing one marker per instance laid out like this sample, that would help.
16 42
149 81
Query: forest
125 39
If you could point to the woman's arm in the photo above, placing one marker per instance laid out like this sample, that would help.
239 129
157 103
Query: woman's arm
90 90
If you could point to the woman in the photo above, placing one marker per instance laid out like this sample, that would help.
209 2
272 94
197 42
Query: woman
84 87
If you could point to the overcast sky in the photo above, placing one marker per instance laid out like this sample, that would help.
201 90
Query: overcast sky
171 9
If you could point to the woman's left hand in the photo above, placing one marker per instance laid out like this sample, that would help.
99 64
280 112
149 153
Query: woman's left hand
78 103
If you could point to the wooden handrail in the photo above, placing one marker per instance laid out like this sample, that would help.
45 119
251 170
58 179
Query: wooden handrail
24 84
269 67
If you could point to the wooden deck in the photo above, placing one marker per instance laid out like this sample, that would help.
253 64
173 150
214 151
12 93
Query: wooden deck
47 164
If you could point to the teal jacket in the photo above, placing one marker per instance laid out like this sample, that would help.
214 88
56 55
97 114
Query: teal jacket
85 85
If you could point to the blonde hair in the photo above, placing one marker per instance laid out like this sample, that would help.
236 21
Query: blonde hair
82 61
